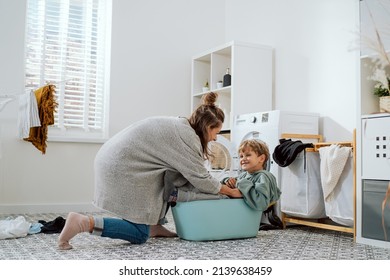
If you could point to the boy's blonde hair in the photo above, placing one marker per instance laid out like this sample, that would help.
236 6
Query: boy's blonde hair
258 146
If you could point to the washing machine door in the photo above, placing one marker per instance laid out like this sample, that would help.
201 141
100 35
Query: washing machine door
222 163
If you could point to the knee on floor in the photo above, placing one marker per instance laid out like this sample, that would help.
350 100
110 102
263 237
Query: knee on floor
142 238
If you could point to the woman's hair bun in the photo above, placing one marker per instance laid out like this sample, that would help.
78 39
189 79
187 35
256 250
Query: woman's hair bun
209 99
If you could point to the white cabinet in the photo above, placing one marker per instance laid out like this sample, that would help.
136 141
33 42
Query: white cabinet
373 150
374 182
372 162
251 70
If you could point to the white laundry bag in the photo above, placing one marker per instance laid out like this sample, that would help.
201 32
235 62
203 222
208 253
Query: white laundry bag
300 184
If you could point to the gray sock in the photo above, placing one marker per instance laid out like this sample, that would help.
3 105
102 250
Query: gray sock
98 227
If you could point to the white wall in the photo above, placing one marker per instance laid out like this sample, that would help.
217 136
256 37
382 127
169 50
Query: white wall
316 55
379 10
152 45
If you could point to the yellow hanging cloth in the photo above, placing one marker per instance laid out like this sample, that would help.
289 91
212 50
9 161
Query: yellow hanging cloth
46 106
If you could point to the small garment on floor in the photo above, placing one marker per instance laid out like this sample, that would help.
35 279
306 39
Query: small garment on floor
14 228
333 160
35 228
54 226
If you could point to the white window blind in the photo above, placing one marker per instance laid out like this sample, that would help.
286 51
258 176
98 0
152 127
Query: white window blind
68 44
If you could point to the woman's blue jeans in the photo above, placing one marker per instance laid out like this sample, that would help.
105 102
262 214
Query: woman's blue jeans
122 229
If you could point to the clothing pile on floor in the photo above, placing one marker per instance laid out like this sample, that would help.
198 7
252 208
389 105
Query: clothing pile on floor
19 227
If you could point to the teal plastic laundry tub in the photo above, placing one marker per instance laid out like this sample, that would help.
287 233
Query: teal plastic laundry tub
205 220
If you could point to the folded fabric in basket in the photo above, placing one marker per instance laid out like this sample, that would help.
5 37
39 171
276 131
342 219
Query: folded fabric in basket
333 160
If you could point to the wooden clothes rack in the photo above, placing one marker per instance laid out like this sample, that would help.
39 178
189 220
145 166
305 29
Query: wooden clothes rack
324 222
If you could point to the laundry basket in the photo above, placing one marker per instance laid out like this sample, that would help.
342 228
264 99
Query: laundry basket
302 194
205 220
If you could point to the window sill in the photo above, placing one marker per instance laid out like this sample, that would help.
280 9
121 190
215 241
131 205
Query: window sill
76 140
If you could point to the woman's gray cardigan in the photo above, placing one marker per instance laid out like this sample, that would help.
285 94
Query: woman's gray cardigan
136 170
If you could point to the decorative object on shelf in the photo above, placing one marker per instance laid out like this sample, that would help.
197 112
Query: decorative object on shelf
384 104
227 78
206 86
219 84
381 63
382 89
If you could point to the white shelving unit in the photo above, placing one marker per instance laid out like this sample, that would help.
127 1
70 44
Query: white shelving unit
370 191
251 69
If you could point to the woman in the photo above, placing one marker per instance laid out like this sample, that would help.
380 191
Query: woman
138 168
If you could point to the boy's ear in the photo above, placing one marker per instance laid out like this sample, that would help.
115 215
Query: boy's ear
262 157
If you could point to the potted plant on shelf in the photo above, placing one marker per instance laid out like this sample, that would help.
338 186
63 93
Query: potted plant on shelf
382 90
206 86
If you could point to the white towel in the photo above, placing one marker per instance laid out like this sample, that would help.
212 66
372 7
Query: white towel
333 160
14 228
28 114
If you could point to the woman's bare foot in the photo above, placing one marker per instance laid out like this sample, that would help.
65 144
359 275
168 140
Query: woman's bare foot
75 224
160 231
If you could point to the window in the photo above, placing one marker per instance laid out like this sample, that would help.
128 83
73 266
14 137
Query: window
68 44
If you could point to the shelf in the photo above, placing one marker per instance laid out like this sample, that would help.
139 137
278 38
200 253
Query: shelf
223 90
373 54
251 69
375 115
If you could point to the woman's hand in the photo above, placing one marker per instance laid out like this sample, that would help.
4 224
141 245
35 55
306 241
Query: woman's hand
235 193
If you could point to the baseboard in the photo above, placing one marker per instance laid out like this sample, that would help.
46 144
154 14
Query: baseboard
46 208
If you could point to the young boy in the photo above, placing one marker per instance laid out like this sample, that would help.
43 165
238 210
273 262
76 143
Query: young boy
257 185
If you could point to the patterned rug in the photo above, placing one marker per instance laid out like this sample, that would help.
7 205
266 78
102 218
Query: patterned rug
293 243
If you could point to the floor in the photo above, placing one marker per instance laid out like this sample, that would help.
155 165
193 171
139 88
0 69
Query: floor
293 243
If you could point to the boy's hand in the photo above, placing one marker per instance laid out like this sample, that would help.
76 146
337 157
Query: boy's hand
230 192
231 183
235 193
